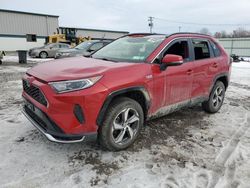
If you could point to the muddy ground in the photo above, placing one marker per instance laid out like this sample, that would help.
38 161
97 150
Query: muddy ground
189 148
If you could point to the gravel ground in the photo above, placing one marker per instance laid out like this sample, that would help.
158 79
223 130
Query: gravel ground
189 148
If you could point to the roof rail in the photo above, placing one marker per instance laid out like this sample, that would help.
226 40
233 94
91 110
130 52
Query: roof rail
188 33
145 34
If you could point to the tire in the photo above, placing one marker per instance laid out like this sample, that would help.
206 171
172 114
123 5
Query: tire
116 133
216 98
43 55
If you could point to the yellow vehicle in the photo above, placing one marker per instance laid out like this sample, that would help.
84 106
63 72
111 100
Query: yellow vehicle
67 35
57 38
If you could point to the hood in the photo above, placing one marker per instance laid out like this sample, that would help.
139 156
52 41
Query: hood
74 68
68 50
37 48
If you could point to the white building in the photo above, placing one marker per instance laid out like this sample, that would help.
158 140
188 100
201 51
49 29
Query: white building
24 30
237 46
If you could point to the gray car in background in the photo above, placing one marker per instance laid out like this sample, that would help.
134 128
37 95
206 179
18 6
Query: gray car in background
48 50
85 48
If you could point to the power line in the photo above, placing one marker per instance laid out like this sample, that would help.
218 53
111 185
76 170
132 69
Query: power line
204 24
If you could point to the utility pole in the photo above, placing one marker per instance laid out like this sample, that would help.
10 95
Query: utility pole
179 29
150 23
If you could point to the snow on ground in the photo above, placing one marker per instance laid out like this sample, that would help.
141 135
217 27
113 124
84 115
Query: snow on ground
14 59
186 149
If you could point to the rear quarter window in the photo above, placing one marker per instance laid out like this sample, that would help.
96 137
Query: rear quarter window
216 49
201 49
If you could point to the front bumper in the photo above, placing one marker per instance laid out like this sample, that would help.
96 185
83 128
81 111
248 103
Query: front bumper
33 53
47 127
66 117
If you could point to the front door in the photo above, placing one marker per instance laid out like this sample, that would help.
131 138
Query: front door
173 86
179 79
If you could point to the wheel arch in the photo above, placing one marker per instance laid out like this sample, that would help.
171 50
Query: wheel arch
138 93
223 77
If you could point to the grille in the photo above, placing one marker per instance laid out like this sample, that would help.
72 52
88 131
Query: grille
34 92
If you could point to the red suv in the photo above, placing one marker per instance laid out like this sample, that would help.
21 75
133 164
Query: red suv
114 91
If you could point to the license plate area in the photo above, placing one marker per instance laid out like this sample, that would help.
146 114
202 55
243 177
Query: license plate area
29 105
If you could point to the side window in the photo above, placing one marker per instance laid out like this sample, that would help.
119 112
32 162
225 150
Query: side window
179 48
31 38
96 46
201 49
54 46
63 46
215 49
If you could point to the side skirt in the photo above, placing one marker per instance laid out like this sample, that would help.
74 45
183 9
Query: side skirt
175 107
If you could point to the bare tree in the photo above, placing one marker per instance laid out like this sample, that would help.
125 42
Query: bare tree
241 32
205 31
224 34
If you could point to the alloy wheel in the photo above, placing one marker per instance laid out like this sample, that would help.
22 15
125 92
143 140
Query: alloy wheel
125 126
43 55
218 97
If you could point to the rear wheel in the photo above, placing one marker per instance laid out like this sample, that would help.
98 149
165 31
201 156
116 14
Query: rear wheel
216 98
122 124
43 55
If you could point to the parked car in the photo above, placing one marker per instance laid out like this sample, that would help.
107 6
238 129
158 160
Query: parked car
133 79
48 50
85 48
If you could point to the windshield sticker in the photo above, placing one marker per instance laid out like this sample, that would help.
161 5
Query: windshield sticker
154 39
138 57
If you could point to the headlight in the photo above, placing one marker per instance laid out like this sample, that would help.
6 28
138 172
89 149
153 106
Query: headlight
66 54
74 85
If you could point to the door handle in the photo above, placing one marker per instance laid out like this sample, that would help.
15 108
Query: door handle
215 65
189 72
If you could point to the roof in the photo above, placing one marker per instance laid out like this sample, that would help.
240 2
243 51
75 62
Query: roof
101 30
29 13
168 35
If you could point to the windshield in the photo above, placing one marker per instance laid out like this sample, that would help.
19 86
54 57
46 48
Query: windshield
83 45
130 48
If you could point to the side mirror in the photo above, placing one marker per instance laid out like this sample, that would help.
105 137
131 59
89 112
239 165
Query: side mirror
171 60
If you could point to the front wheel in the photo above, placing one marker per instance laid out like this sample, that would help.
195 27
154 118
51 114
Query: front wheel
122 124
43 55
216 98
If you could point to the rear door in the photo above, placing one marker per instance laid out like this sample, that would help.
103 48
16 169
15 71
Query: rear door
205 68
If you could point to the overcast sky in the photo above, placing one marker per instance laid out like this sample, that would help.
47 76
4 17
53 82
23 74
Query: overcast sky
132 15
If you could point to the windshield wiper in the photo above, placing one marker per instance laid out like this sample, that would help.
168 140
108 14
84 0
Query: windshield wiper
88 55
106 59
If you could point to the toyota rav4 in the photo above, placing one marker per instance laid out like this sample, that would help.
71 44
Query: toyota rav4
133 79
